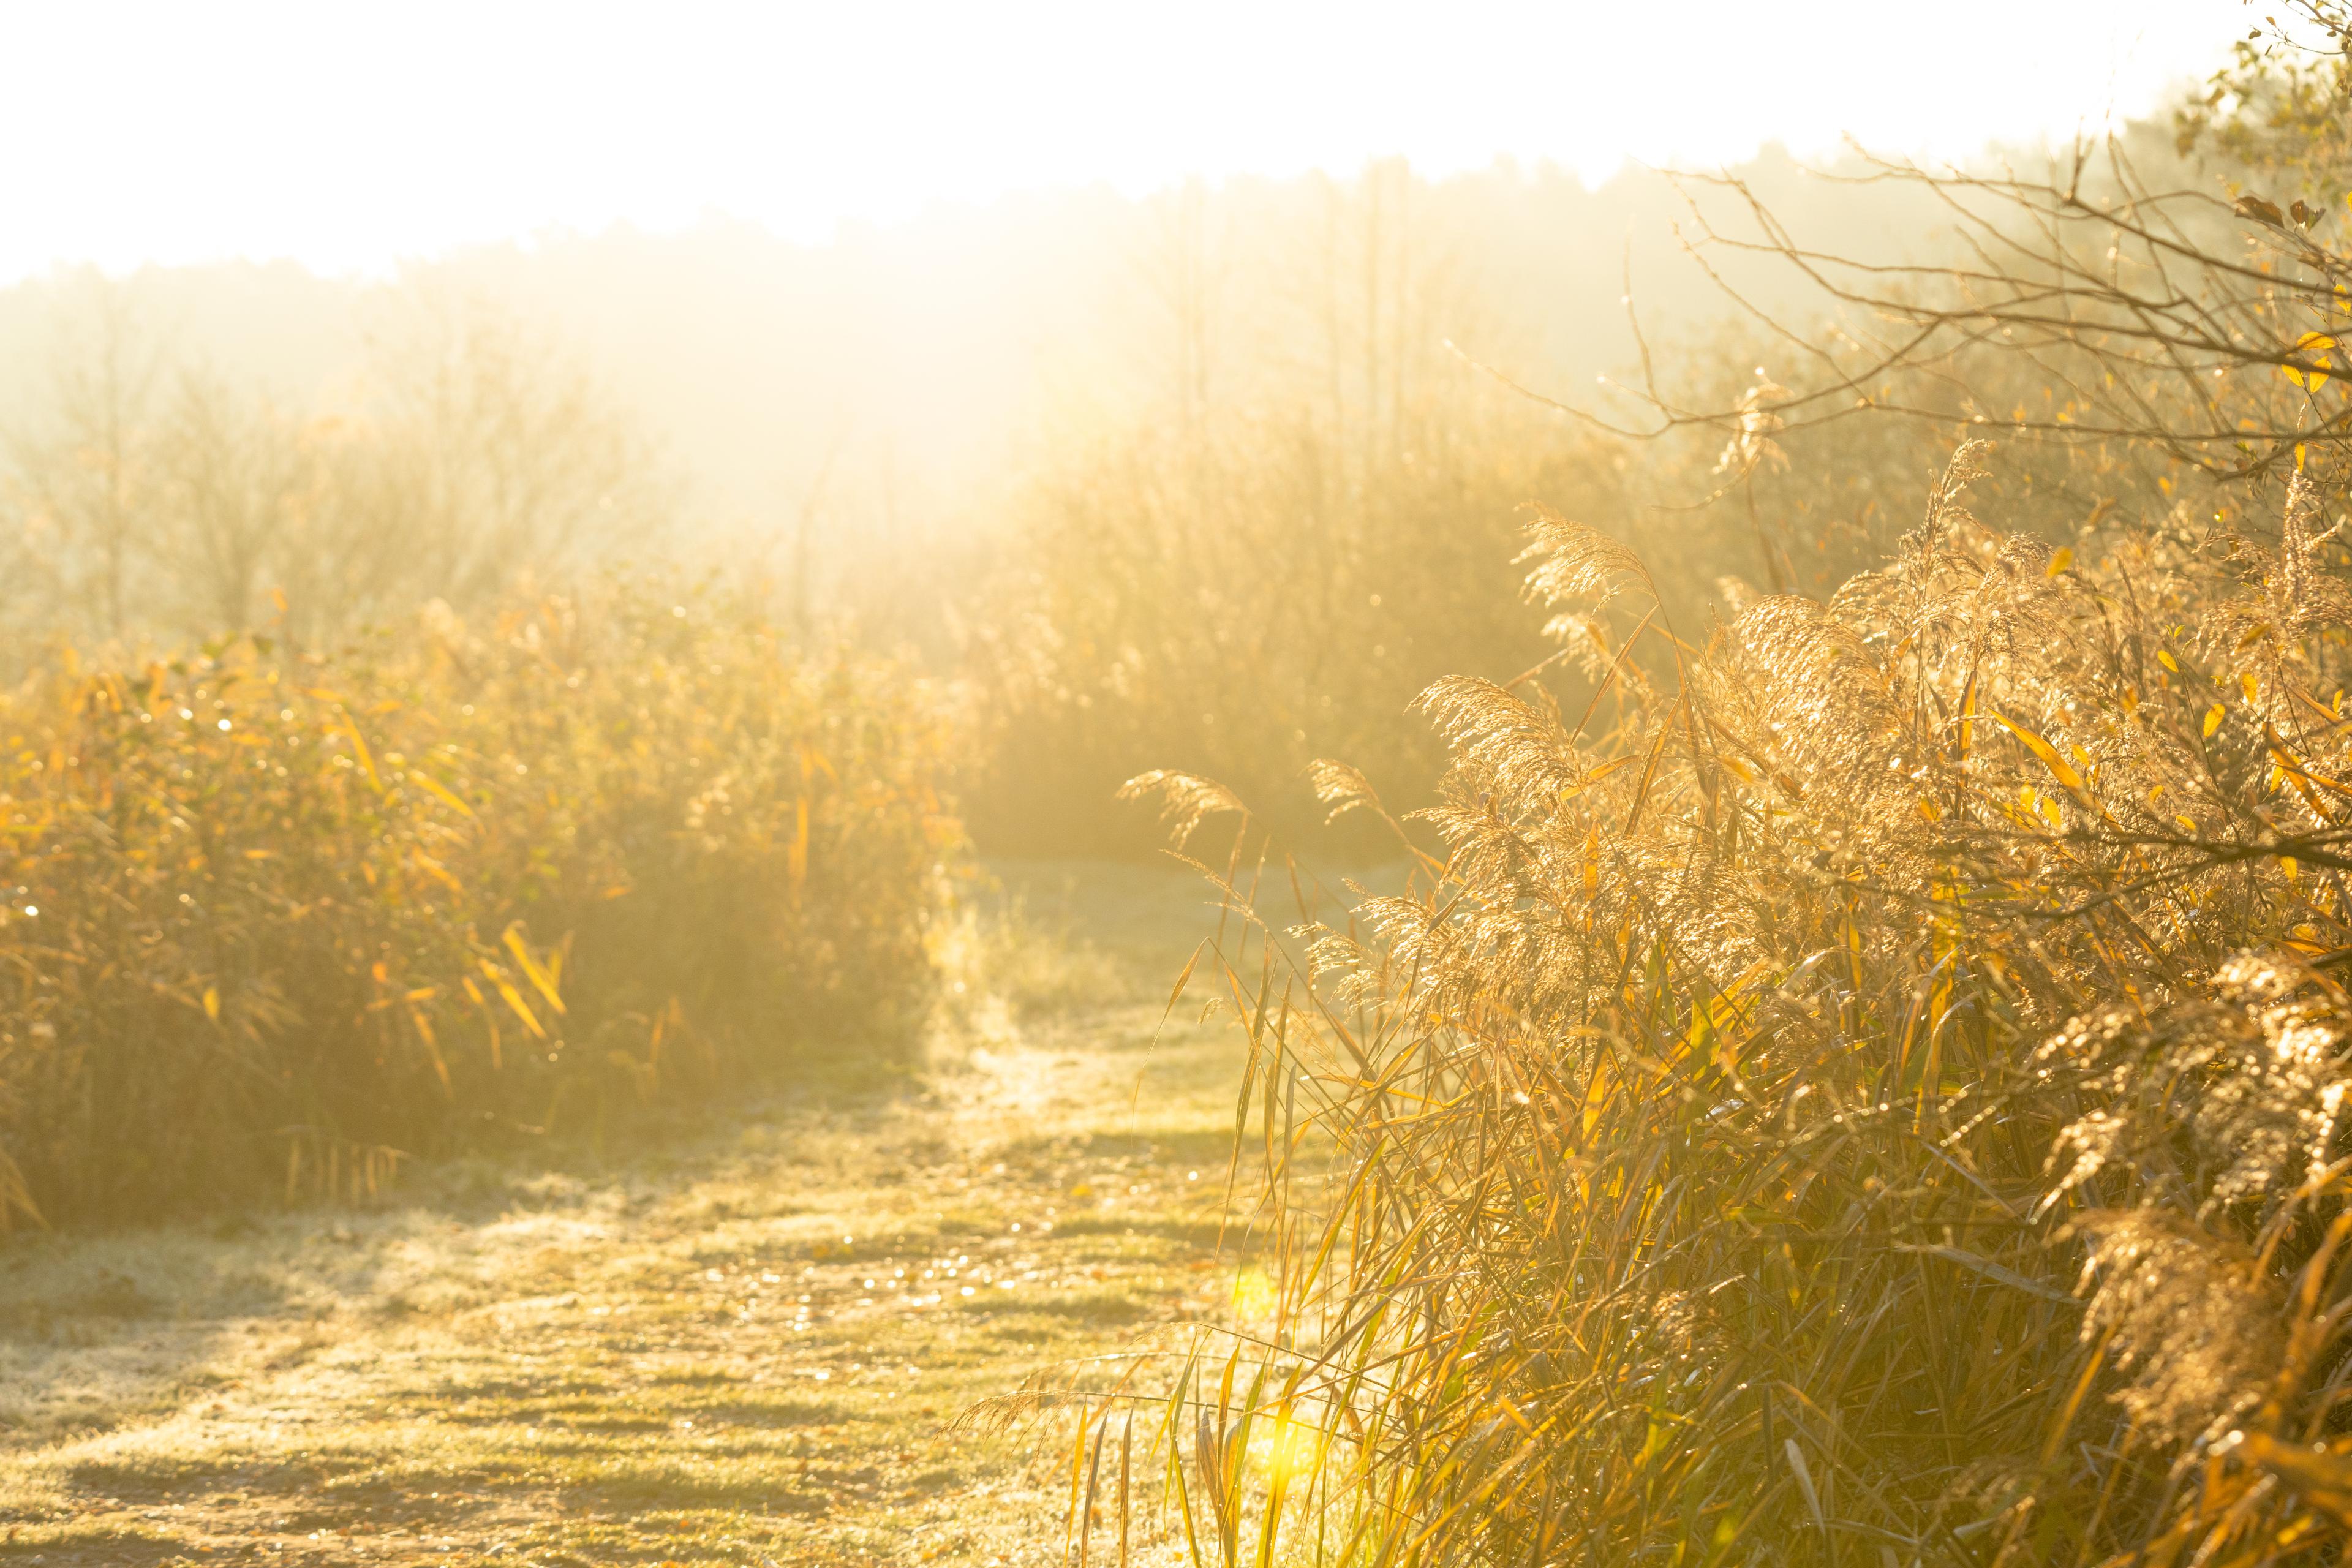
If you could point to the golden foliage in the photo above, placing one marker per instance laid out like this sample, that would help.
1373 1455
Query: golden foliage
1875 1098
276 915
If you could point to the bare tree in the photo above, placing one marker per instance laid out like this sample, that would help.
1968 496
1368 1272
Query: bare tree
1184 267
238 482
2115 298
497 455
82 484
473 455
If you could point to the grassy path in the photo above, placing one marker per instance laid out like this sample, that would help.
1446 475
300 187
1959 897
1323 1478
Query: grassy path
743 1345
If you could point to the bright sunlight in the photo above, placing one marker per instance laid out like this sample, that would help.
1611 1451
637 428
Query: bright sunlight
1513 786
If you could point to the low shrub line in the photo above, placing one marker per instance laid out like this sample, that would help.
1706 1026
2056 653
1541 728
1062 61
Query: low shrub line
273 918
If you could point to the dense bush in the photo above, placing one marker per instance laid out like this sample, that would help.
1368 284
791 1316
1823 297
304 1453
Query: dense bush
1870 1092
278 916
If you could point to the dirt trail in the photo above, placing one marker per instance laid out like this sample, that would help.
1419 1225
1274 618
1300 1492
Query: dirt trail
743 1344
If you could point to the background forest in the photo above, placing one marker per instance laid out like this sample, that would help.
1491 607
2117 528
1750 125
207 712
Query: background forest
1029 441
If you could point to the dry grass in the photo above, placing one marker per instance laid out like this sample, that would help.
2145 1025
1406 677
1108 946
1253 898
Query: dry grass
1234 600
668 1356
270 916
1046 948
1859 1087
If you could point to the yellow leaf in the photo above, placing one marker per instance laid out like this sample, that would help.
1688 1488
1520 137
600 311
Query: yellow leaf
2164 657
2060 768
2249 686
433 786
2319 1479
796 854
2310 351
541 980
514 999
432 1046
212 1003
2213 719
2060 561
435 870
2284 765
360 746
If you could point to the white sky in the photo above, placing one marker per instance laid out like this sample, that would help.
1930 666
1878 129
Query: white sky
348 135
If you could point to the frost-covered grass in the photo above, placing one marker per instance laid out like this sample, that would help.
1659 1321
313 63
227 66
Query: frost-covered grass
745 1342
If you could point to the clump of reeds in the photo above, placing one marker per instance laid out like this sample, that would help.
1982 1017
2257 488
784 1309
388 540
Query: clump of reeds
1862 1085
270 916
1232 600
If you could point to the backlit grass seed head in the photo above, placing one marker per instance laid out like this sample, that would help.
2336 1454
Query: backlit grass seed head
1186 800
1718 1065
2192 1319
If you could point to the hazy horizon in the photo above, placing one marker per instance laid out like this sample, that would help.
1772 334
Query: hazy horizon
219 140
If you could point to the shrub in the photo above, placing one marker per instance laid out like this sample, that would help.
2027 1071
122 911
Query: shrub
273 915
1869 1092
